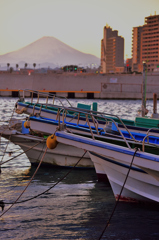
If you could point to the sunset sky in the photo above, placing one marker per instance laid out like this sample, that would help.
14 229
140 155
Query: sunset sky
78 23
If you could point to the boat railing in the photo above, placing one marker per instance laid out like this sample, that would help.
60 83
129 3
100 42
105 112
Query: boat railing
148 134
106 117
88 115
95 124
97 114
43 95
152 129
147 137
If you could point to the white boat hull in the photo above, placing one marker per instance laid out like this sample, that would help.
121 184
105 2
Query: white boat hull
139 185
62 155
143 180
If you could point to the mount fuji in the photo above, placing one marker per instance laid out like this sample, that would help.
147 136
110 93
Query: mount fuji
48 52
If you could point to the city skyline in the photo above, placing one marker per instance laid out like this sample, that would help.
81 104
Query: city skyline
78 24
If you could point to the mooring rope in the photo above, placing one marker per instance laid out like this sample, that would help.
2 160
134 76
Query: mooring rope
18 156
26 185
21 153
26 200
10 135
108 222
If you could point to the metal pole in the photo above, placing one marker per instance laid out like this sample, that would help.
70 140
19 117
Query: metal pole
143 91
154 103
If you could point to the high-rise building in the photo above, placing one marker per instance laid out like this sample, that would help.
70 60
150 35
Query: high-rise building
150 43
136 48
112 51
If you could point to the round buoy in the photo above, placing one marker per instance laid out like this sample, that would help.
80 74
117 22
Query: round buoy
51 142
27 124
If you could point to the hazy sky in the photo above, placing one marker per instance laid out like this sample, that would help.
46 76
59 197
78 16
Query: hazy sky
78 23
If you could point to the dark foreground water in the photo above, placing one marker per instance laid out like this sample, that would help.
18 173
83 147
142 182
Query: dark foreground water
78 207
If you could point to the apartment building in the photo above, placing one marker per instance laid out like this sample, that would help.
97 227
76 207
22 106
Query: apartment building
145 45
112 51
136 49
150 43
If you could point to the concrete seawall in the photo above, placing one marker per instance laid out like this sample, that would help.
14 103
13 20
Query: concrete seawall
81 85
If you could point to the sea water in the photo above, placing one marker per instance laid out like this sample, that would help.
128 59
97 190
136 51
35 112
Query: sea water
76 208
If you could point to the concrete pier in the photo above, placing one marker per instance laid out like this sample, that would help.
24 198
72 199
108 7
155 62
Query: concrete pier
80 85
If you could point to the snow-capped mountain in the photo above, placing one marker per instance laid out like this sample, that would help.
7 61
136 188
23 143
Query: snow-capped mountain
48 51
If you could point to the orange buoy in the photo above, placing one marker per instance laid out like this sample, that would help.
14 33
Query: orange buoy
27 124
51 142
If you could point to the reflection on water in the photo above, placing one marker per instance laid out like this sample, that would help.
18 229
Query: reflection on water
79 206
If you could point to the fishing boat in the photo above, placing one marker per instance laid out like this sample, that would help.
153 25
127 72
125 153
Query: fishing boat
116 161
143 180
123 138
34 107
34 147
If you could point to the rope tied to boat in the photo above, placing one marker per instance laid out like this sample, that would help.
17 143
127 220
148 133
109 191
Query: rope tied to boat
108 222
29 199
9 136
26 185
1 163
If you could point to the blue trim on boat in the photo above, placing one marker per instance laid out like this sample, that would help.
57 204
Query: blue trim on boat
117 163
141 136
85 128
111 147
79 127
137 128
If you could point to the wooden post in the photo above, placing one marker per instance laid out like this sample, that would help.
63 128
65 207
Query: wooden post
154 103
